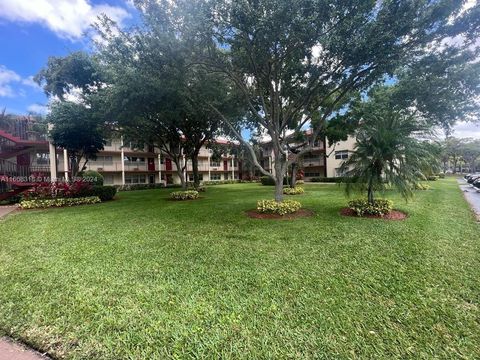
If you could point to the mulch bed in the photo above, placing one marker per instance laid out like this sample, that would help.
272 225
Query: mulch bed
299 214
394 215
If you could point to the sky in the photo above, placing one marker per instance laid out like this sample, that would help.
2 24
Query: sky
33 30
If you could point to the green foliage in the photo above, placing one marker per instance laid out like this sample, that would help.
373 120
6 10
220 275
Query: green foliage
268 181
275 207
297 190
388 150
421 186
105 193
134 187
77 70
328 179
77 129
363 207
432 178
58 202
184 195
93 177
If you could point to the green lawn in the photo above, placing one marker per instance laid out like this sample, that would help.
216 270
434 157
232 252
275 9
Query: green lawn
143 277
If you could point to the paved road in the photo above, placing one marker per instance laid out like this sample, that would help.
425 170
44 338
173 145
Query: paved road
472 196
10 350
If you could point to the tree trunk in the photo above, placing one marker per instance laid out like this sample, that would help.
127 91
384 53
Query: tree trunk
293 179
454 165
370 194
180 174
196 177
279 175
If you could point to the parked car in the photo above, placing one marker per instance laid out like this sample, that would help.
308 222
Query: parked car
472 178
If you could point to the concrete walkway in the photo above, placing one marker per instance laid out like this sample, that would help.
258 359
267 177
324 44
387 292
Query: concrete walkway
472 197
10 350
5 210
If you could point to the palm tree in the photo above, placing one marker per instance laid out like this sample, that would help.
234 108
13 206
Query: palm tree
390 151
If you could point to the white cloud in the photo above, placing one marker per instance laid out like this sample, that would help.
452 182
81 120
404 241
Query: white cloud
38 109
467 130
10 82
67 18
29 82
7 77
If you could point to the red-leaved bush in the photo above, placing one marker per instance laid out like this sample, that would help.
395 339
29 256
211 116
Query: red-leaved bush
54 190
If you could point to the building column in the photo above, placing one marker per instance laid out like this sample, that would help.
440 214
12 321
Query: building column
233 167
122 154
209 171
65 164
160 167
52 152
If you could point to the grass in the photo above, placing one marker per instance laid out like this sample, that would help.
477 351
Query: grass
143 277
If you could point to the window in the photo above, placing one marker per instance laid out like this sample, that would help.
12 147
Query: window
134 160
226 176
42 159
318 143
341 155
215 177
108 142
311 157
214 163
108 179
135 179
312 174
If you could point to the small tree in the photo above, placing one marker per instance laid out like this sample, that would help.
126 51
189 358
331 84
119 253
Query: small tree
78 130
389 150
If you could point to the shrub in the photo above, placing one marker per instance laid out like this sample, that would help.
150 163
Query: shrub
362 207
267 180
300 182
58 202
432 178
184 195
134 187
420 186
297 190
105 193
327 179
441 175
54 190
280 208
93 177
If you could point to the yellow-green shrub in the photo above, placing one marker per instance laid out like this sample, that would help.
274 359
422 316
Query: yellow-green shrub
379 207
280 208
297 190
184 195
420 186
58 202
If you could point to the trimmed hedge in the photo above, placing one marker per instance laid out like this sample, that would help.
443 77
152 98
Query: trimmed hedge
362 207
93 177
58 202
105 193
432 178
267 180
297 190
280 208
134 187
184 195
327 179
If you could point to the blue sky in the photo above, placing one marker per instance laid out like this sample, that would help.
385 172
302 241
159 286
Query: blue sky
33 30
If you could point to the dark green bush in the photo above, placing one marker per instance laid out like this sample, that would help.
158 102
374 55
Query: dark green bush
432 178
105 193
93 177
327 179
379 207
267 180
134 187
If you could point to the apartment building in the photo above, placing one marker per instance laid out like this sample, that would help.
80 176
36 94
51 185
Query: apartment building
324 160
26 154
